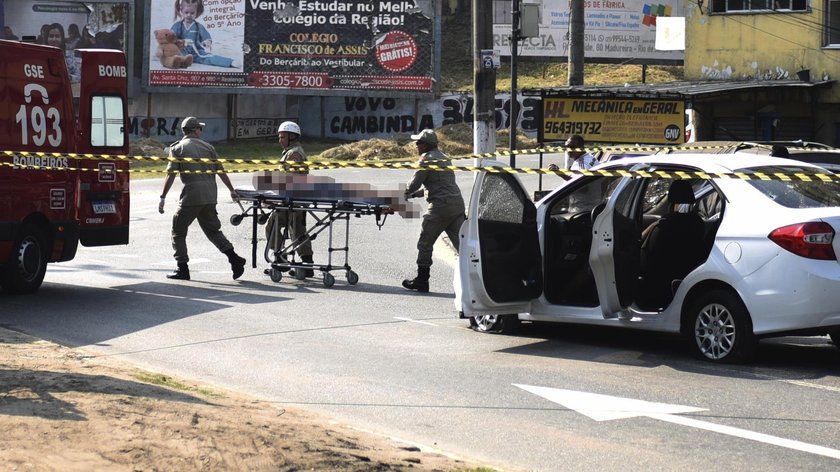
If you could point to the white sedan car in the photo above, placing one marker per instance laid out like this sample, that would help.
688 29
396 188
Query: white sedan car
723 261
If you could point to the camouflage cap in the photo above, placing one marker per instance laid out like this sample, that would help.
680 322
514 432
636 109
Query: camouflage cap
191 122
427 136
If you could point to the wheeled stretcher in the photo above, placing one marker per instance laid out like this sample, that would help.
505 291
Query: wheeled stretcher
322 214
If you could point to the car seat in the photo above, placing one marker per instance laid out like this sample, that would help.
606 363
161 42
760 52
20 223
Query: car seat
672 249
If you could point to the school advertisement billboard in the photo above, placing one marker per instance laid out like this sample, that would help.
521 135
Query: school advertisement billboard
614 120
302 46
614 31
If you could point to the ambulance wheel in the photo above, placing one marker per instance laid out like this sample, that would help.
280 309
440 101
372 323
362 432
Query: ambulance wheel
275 274
27 263
352 277
329 280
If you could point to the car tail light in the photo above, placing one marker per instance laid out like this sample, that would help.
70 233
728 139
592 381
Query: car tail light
812 240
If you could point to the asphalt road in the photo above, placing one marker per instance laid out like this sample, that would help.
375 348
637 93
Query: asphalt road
401 363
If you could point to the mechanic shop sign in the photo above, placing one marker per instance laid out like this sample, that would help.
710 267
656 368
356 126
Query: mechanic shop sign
614 120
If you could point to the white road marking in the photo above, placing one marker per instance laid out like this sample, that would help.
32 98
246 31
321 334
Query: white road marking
414 321
605 408
799 383
802 383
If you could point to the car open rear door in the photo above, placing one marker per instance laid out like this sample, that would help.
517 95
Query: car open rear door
499 267
616 245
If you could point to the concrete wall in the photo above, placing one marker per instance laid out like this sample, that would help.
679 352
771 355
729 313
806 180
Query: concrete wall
761 45
158 115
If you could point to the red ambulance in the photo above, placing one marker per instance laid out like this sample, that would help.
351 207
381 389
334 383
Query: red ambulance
51 196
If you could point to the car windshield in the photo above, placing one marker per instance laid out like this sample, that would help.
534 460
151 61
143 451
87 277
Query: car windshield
796 193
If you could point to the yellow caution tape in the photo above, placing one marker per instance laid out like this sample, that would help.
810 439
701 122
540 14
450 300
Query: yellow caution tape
488 155
312 165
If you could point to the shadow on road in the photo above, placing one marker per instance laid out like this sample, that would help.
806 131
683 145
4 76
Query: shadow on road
118 310
27 392
799 357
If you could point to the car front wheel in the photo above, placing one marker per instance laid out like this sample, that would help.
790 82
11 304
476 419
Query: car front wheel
494 323
719 328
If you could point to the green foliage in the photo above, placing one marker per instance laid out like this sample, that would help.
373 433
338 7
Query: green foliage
169 382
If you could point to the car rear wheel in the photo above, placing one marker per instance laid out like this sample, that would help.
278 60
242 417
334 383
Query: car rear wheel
719 328
27 264
494 323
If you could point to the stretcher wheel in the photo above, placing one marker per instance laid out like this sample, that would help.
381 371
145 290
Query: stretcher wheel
329 280
235 219
275 274
352 277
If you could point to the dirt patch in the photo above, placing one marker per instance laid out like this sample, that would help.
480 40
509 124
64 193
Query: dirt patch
454 140
146 147
62 409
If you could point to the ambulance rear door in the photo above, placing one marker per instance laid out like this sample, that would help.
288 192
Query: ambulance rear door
103 197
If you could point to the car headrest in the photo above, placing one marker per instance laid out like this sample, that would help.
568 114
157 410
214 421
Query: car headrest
680 192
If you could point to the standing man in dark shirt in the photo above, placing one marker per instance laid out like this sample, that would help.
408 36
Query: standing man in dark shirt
446 205
198 197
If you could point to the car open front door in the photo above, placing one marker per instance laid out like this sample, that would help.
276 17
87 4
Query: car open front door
616 244
499 267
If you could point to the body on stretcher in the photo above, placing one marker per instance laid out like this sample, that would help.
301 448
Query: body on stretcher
322 214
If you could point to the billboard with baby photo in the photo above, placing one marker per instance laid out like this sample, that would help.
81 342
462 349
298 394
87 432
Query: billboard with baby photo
301 46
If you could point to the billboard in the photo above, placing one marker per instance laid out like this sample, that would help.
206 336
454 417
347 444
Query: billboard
614 120
301 46
68 25
614 31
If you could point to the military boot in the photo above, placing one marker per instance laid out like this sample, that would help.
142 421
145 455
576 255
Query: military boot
237 264
304 272
419 283
181 273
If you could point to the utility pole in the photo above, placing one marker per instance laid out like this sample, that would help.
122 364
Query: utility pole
514 51
576 38
484 79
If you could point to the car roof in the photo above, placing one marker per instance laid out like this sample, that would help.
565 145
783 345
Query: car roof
711 162
805 151
728 147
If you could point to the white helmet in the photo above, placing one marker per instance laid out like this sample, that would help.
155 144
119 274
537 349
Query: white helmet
290 127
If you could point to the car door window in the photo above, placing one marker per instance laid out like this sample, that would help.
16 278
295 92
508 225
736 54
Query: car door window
511 266
655 193
709 204
500 201
585 197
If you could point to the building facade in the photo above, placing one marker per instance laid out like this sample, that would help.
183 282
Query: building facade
794 44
